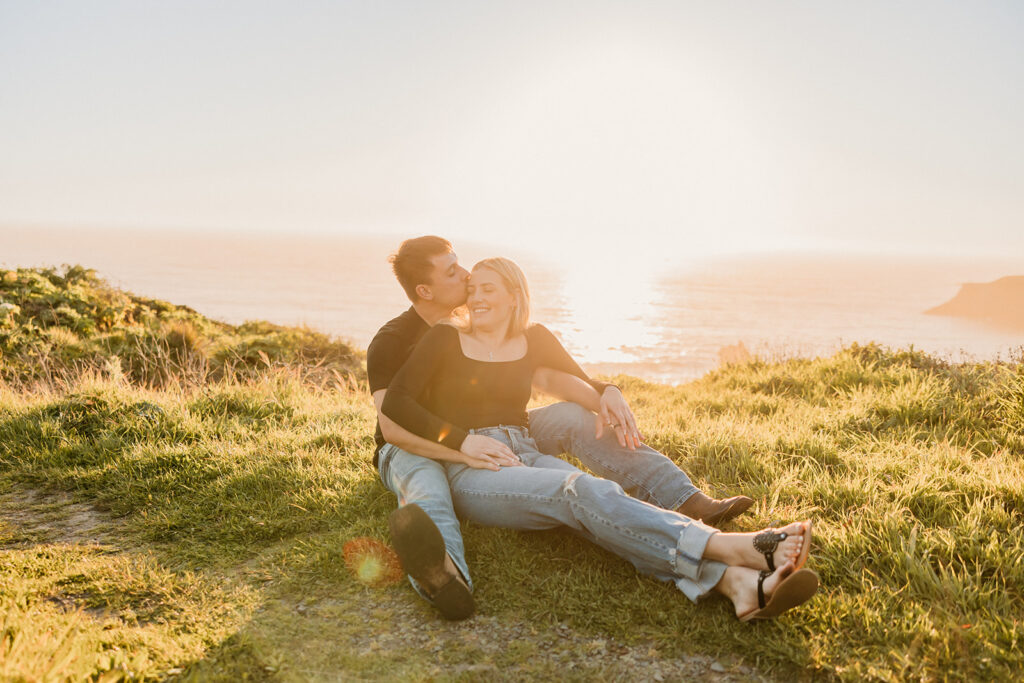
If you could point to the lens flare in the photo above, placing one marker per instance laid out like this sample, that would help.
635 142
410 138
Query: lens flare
372 563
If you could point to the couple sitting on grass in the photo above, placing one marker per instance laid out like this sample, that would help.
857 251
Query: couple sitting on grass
454 437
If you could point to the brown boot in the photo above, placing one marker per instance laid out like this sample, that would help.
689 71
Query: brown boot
712 511
420 549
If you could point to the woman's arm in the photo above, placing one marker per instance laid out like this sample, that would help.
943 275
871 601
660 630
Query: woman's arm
480 457
552 354
567 387
613 408
400 404
397 435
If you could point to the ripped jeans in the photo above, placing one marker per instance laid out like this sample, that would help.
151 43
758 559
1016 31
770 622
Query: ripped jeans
549 492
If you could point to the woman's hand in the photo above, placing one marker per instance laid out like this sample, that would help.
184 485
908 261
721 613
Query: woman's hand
484 453
616 413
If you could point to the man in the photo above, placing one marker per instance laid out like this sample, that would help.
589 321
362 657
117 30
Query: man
425 530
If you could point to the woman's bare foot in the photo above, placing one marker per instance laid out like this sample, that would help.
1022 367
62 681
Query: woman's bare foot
739 584
737 550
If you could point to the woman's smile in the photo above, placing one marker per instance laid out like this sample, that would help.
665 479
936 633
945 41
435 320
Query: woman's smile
489 298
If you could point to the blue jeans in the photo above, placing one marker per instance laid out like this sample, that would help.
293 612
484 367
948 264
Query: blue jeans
549 492
644 473
415 479
558 428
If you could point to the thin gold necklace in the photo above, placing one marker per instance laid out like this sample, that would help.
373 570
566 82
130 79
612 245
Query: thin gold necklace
490 352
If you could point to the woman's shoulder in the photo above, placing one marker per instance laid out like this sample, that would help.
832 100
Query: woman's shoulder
541 340
440 332
538 331
442 329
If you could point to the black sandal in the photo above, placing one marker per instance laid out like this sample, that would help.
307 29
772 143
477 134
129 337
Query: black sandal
766 543
795 589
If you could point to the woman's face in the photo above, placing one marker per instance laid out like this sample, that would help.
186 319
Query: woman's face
490 302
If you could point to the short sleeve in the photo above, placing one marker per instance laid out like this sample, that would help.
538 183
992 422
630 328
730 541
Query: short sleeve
384 358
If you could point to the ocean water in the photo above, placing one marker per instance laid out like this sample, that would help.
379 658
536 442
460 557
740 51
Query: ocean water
665 324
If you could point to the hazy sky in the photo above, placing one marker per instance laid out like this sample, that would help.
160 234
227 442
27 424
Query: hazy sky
625 128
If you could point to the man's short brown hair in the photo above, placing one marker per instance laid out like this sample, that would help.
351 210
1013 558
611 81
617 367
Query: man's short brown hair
412 262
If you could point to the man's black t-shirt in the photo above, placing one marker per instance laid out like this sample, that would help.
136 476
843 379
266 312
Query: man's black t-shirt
394 343
387 353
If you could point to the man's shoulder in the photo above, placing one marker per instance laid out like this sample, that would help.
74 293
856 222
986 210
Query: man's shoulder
407 326
391 346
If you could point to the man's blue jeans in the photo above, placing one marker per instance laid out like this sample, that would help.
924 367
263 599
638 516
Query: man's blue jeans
549 492
644 473
415 479
559 428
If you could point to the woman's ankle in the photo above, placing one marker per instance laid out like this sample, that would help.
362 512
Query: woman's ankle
726 547
737 549
731 584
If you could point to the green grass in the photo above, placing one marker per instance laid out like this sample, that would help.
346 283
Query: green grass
231 499
56 324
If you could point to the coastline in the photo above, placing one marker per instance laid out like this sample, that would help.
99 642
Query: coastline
665 326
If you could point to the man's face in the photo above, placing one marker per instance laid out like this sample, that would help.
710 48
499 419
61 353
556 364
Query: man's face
448 281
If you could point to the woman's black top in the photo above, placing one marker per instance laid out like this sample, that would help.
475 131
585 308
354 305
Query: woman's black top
440 393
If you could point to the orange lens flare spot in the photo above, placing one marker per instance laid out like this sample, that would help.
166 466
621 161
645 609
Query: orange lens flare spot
372 563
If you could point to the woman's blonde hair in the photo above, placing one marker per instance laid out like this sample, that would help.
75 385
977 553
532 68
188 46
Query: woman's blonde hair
515 282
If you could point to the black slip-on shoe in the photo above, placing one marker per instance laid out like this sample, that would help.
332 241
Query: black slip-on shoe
420 548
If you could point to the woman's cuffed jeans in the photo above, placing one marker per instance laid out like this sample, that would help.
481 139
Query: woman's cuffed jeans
548 492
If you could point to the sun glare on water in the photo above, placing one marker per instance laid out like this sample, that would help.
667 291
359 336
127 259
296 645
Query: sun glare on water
608 319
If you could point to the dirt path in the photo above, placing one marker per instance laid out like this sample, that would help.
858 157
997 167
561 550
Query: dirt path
535 652
324 640
33 516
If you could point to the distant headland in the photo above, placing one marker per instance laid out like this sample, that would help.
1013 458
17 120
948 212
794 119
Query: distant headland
999 303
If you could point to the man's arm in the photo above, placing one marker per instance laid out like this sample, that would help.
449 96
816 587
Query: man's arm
384 357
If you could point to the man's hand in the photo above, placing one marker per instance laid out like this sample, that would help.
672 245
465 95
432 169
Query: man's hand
615 413
484 453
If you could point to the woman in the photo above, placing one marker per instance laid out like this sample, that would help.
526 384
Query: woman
468 388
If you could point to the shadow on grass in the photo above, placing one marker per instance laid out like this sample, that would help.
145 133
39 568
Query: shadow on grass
550 605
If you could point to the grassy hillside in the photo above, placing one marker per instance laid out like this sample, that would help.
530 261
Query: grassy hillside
59 324
183 512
